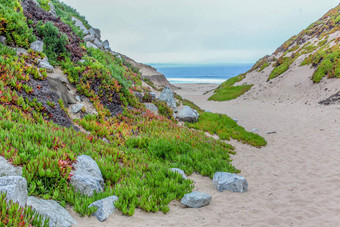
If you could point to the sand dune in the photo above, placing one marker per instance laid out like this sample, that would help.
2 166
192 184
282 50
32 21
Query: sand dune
293 181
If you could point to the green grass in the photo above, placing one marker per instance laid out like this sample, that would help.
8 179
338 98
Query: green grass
226 128
227 91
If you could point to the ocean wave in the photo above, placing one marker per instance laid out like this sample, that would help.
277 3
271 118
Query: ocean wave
195 80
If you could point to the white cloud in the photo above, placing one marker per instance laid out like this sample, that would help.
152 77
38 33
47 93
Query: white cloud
199 30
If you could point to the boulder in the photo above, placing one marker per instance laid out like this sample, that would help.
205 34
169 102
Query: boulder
51 209
168 96
187 114
98 43
228 181
37 46
77 107
152 107
57 85
80 25
6 169
105 207
87 176
179 171
106 45
196 199
89 38
15 187
3 39
95 32
44 64
89 44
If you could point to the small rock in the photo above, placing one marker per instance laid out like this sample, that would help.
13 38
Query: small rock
105 140
89 38
95 32
87 176
236 120
271 132
196 199
6 169
168 96
3 39
106 45
152 107
139 95
37 46
58 216
44 64
78 99
89 44
179 171
77 107
254 130
80 25
98 43
52 9
227 181
15 187
105 207
20 50
187 114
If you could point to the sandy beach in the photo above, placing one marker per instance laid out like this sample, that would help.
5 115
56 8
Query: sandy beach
293 181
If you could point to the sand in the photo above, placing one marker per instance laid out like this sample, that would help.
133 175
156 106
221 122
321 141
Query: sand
293 181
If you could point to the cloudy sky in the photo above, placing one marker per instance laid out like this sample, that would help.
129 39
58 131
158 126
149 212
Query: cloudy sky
199 31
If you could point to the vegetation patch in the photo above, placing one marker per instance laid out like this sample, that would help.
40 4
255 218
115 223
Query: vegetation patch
226 128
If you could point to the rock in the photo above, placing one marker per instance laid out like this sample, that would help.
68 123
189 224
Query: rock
37 46
105 207
153 95
15 187
57 85
3 39
89 38
168 96
95 32
78 98
187 114
52 9
139 95
51 209
271 132
105 140
227 181
89 44
80 25
20 50
77 107
235 120
6 169
98 43
106 45
196 199
152 107
254 130
44 64
179 171
87 176
35 2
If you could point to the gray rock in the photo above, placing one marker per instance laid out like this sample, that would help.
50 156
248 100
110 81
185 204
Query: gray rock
153 95
168 96
89 38
58 216
87 176
179 171
6 169
187 114
78 98
20 50
95 32
15 187
196 199
37 46
228 181
106 45
52 9
271 132
35 2
77 107
105 207
3 39
139 95
98 43
44 64
236 120
254 130
80 25
152 107
57 85
89 44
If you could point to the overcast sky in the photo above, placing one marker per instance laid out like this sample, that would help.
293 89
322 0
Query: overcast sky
199 31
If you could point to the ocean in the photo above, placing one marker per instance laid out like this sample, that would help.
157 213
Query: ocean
201 74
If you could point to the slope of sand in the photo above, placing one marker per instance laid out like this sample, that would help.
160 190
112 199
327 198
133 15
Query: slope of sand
293 181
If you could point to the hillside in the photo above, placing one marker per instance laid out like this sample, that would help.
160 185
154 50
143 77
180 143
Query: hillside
75 127
306 68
